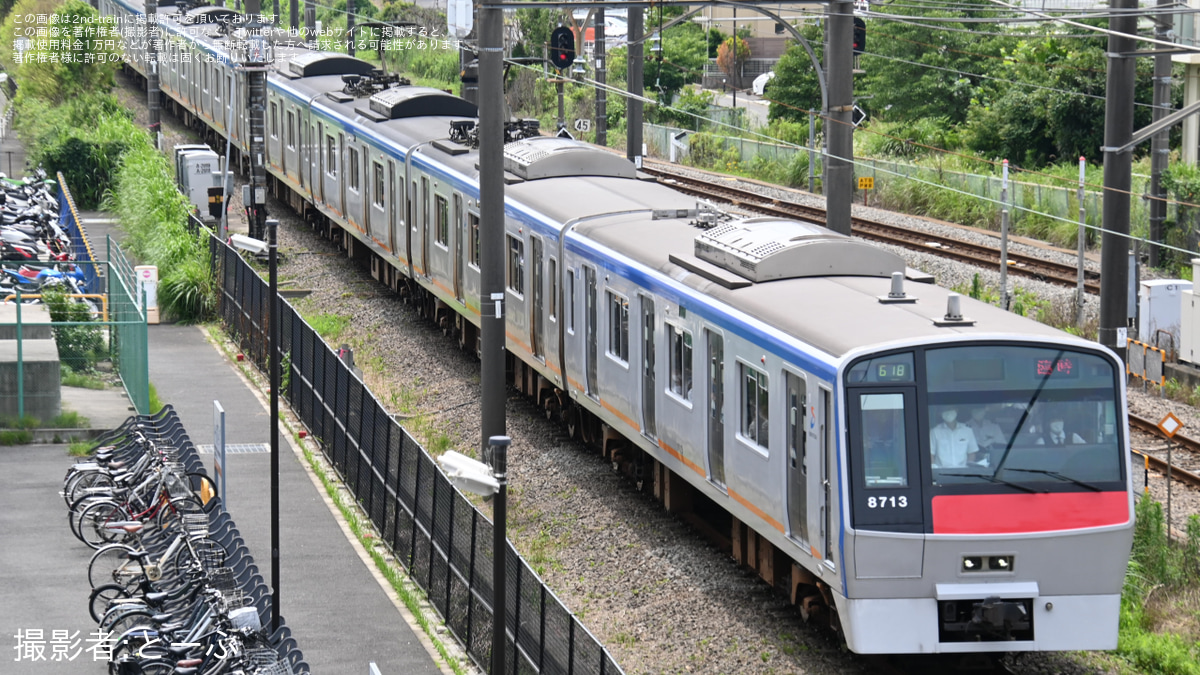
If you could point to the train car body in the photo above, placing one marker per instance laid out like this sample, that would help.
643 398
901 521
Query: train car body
773 365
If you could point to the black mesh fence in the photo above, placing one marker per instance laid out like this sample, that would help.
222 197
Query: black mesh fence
443 541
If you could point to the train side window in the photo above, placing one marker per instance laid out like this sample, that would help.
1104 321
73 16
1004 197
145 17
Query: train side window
441 229
679 354
425 206
331 156
473 233
755 406
618 326
516 265
274 120
570 300
379 191
552 270
352 170
884 453
291 130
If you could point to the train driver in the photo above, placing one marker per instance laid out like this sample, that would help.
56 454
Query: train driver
950 443
1056 433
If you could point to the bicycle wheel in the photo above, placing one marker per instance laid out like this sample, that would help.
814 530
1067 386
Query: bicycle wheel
93 523
112 565
77 507
83 482
118 622
102 597
203 487
207 551
154 666
167 519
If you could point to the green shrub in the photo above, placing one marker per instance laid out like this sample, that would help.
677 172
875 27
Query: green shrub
79 346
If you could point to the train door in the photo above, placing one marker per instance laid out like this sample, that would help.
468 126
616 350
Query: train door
366 188
828 468
590 330
390 225
649 389
459 235
425 225
536 327
318 163
343 207
797 471
412 228
377 211
716 407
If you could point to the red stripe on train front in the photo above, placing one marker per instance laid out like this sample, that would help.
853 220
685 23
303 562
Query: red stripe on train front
999 514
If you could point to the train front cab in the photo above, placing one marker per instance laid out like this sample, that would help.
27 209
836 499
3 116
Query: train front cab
1021 545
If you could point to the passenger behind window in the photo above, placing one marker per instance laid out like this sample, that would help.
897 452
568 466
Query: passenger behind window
952 444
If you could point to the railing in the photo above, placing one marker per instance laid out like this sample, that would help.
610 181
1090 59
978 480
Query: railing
437 535
81 247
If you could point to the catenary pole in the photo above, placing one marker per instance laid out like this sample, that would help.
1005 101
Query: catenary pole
634 81
1159 148
492 249
601 76
153 98
838 176
1118 129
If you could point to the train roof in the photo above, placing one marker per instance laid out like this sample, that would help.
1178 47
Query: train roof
836 313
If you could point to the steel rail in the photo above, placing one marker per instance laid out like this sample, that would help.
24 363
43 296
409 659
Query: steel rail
948 247
1160 465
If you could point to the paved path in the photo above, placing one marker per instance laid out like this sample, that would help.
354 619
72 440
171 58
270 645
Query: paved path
340 615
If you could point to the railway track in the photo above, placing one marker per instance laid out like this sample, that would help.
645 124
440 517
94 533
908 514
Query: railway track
947 247
1157 463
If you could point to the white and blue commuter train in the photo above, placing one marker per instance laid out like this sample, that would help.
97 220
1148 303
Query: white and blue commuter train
768 367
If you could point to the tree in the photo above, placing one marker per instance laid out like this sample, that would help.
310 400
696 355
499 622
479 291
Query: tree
1051 105
730 59
914 70
681 62
795 89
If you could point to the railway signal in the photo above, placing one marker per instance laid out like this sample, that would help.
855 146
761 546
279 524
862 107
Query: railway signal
562 47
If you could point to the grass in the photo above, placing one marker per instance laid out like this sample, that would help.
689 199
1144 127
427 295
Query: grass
156 404
80 448
15 436
329 326
1160 604
84 380
69 420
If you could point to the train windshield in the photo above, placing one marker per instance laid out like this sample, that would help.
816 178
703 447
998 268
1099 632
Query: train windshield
983 418
1040 419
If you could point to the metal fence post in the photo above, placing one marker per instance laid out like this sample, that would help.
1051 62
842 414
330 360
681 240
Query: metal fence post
20 363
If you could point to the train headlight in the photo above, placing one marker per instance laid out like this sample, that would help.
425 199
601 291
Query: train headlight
972 563
1000 563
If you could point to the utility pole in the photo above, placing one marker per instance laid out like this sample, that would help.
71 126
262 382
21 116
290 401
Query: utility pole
254 61
601 75
839 122
492 256
1159 150
1118 131
634 81
294 15
152 90
349 27
255 64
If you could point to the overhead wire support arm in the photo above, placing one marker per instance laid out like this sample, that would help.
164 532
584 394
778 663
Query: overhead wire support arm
1143 134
